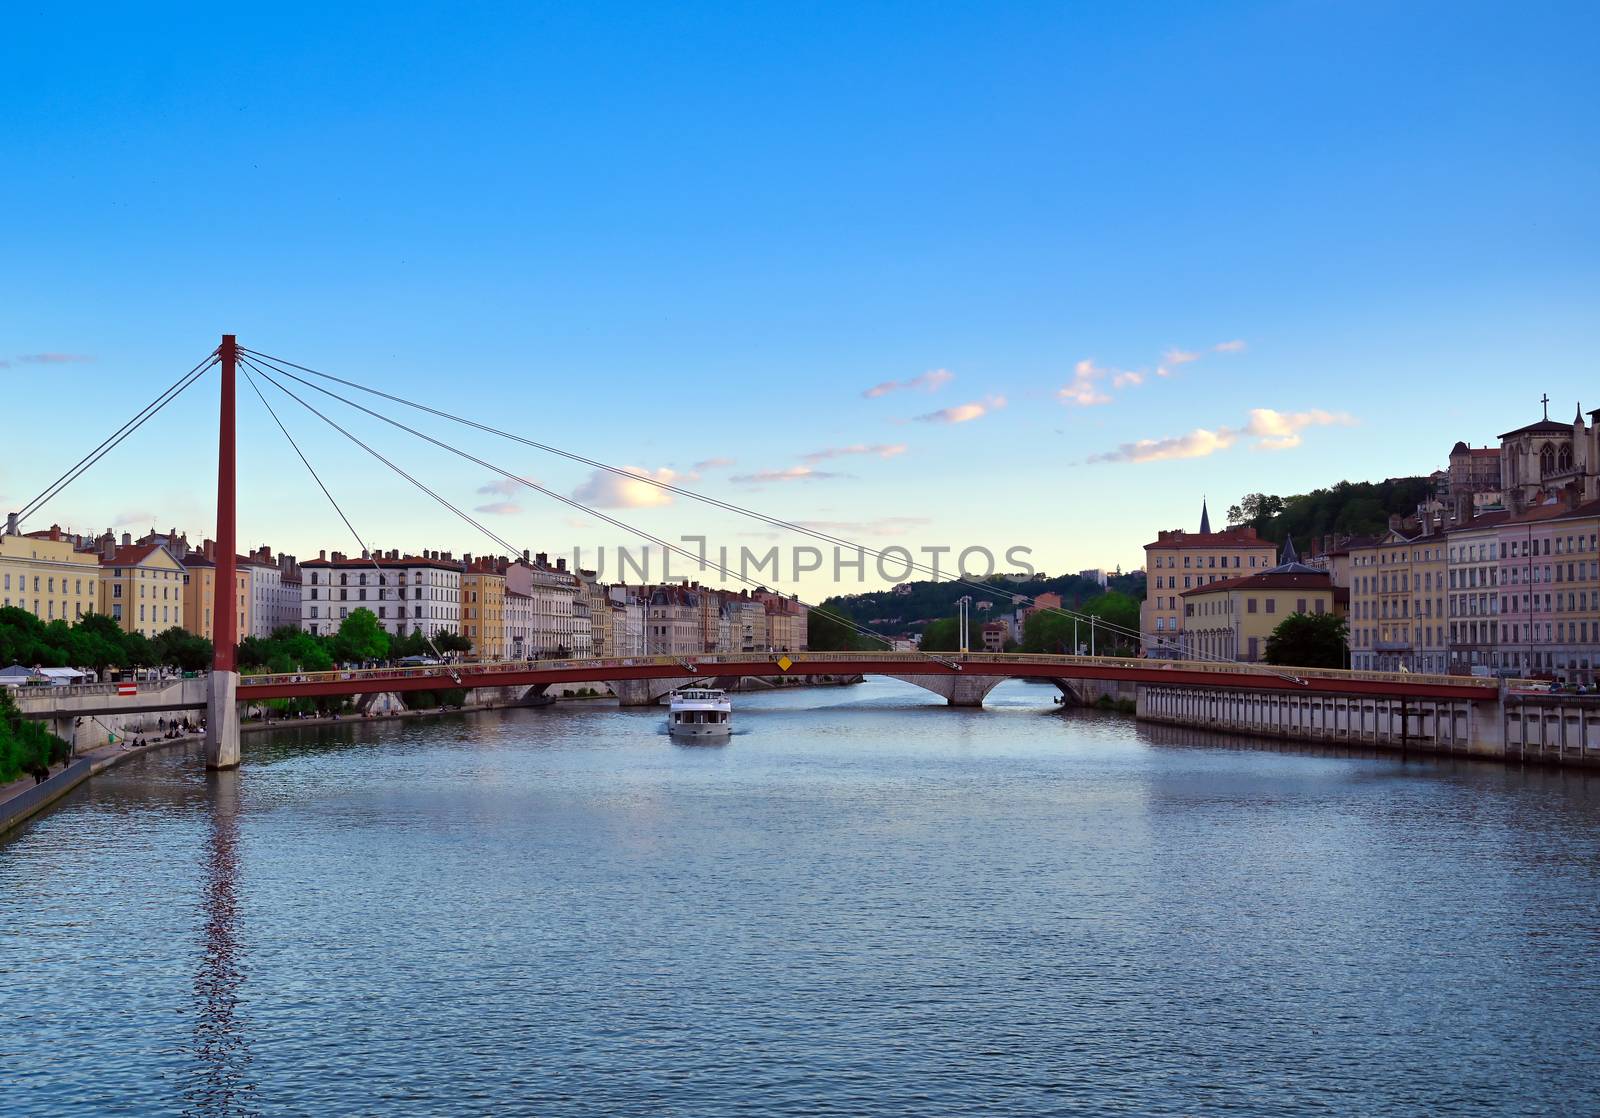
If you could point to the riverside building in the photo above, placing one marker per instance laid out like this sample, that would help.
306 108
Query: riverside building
1179 561
45 574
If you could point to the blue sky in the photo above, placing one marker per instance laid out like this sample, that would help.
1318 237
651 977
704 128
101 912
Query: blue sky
665 238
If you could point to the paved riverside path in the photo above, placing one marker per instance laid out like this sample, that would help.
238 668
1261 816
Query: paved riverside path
22 799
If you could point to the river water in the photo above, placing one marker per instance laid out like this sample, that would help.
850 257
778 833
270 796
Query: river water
865 904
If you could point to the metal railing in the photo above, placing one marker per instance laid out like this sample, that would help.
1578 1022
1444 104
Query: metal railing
71 690
709 662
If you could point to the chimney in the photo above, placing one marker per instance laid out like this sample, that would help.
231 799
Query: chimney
127 539
208 548
108 545
524 551
561 564
322 555
55 531
466 557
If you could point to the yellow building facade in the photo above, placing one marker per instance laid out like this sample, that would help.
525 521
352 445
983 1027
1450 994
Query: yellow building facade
1232 619
46 575
1398 616
1180 561
141 588
483 611
199 589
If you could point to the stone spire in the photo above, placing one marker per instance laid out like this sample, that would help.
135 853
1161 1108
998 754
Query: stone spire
1205 518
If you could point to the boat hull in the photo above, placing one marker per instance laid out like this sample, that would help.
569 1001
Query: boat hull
692 732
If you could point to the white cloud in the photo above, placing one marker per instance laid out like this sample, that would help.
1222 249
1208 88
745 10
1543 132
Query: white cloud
792 473
930 381
964 413
880 450
1174 357
1081 390
505 486
607 490
1276 430
1235 346
1271 430
1127 379
124 519
1198 443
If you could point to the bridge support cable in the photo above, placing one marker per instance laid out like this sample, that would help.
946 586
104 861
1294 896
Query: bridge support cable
111 441
849 623
282 366
578 506
365 550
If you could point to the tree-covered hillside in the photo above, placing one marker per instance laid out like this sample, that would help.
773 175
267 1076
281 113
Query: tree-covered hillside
1350 508
911 606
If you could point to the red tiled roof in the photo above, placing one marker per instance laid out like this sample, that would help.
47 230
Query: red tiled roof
1558 511
393 564
1267 580
1211 540
129 556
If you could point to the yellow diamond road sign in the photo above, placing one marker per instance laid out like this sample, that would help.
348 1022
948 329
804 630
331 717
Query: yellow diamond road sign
784 663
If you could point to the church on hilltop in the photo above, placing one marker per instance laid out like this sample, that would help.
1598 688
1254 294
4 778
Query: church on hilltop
1541 463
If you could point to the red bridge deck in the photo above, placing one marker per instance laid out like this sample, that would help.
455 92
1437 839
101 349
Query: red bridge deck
524 673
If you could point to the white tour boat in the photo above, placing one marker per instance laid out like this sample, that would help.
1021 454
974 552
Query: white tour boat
700 713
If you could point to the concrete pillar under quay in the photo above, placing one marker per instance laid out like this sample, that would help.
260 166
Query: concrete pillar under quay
222 721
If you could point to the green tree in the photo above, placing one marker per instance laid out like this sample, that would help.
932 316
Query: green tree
1112 633
138 651
1308 641
942 634
23 744
826 634
359 638
179 648
447 641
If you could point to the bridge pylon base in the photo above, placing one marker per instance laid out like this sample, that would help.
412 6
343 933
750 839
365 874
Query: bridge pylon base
222 721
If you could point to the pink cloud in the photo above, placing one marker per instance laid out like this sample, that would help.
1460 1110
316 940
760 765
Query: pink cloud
930 381
1081 389
500 508
964 413
792 473
879 450
1271 430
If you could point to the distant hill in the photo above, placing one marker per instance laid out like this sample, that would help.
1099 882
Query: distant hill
907 608
1350 508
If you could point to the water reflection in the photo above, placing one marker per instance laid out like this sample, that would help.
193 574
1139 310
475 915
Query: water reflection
219 1083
